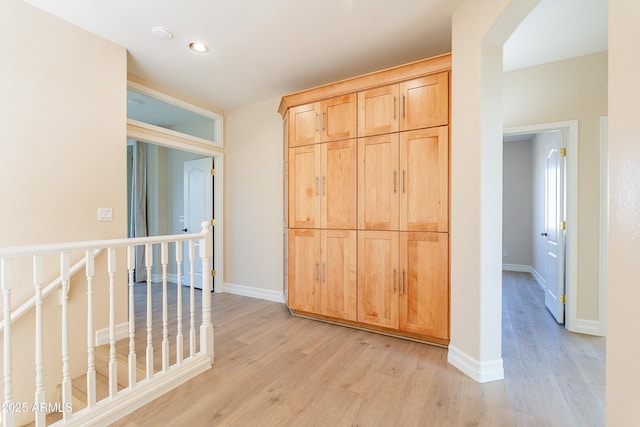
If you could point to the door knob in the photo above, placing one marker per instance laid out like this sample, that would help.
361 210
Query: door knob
544 234
185 230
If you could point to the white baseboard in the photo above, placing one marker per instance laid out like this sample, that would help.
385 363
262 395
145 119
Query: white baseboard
517 267
589 327
539 279
102 335
157 278
248 291
526 269
481 372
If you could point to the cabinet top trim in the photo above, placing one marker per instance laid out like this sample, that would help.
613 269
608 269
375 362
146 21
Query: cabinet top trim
367 81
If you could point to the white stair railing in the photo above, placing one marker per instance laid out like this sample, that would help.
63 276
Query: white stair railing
137 393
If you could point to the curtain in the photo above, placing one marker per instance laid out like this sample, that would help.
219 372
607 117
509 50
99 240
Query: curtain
138 203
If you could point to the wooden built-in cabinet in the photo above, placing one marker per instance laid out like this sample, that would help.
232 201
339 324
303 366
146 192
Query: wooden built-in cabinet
413 104
403 181
322 185
329 120
367 201
322 272
403 281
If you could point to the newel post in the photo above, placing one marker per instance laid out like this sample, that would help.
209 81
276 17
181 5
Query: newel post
206 328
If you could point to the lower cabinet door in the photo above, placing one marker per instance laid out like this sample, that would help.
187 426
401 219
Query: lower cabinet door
424 283
378 278
304 270
338 274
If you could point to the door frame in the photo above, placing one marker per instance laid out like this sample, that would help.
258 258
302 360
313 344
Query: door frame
218 192
570 132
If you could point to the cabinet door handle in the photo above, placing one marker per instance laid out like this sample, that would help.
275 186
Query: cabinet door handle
394 107
323 121
393 280
316 185
315 273
403 188
323 281
324 180
316 122
403 107
395 174
402 282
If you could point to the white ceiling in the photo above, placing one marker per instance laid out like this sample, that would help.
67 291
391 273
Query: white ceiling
262 49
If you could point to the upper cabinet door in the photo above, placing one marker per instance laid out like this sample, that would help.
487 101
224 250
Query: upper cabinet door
303 124
338 120
425 102
424 179
304 187
338 184
378 182
378 111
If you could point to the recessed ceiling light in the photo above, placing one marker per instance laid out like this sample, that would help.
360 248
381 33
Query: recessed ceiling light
198 47
162 33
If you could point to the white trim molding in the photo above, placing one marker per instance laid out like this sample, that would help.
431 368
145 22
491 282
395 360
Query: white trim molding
604 225
249 291
102 335
481 372
517 267
570 130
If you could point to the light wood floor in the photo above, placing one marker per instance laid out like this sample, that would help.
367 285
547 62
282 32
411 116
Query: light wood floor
272 369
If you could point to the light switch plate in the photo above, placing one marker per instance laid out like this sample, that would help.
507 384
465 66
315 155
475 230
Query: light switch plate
105 214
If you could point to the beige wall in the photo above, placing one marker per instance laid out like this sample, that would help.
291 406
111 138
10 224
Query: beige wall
574 89
254 196
63 109
623 323
517 208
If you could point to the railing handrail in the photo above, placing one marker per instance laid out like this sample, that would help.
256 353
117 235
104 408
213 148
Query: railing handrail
31 302
93 244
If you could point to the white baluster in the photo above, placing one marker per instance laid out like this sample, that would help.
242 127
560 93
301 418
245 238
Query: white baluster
165 314
39 395
91 369
64 297
179 337
113 364
206 328
131 265
7 416
192 300
148 249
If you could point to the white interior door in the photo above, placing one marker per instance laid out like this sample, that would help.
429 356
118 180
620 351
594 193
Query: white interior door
554 233
198 207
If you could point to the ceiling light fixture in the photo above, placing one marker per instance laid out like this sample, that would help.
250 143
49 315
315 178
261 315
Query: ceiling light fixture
198 47
162 33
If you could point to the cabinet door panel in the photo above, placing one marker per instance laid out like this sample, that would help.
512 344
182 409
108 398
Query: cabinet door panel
378 182
378 278
424 179
338 119
425 102
304 187
303 125
424 290
304 270
378 111
338 186
338 274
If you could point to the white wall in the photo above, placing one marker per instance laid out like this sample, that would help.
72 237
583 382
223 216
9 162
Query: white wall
517 208
63 109
254 197
569 90
623 323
